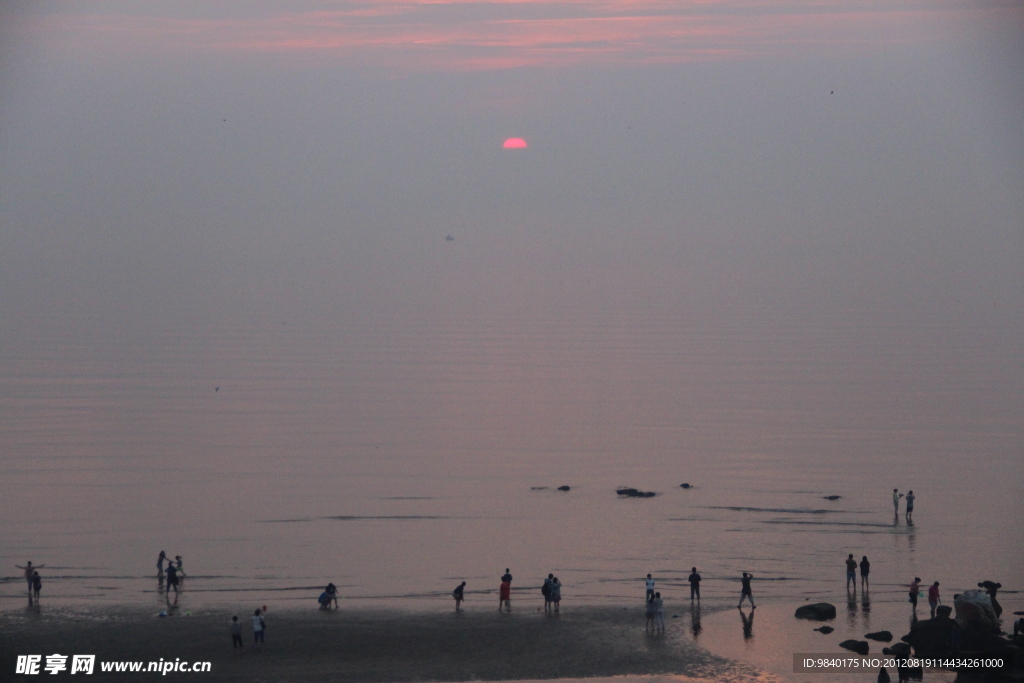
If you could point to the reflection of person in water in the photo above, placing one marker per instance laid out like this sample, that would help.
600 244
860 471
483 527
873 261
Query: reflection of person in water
748 624
695 626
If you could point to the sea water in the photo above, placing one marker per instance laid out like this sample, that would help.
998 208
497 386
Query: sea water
397 454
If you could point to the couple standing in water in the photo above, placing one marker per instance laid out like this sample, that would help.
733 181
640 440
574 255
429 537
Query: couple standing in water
851 572
32 578
896 495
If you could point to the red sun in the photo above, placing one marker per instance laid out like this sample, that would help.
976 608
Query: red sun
515 143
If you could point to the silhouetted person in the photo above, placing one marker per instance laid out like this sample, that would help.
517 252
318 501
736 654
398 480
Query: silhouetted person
160 564
556 593
896 495
910 505
650 588
258 627
332 593
546 592
459 595
649 614
915 588
37 585
694 580
172 582
505 595
992 588
865 569
746 591
933 597
851 572
236 635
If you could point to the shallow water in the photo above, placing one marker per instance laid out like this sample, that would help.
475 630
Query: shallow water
397 455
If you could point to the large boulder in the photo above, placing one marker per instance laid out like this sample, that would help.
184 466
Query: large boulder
563 488
932 637
861 647
974 611
819 611
883 636
825 629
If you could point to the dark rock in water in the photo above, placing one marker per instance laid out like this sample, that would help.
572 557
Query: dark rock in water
831 497
825 629
861 647
819 611
634 493
538 488
684 486
883 676
931 637
898 649
943 611
563 488
883 636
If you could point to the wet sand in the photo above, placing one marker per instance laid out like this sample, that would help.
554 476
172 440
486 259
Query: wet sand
384 645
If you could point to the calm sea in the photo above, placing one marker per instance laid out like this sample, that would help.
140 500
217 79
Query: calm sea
399 454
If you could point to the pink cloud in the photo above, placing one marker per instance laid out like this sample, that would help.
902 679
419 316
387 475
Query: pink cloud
494 34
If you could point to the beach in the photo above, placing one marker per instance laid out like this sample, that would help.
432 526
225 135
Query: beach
426 642
376 645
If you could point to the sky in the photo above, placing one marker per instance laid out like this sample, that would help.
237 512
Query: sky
171 162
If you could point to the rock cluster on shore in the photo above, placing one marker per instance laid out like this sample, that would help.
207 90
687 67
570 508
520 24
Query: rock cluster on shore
975 632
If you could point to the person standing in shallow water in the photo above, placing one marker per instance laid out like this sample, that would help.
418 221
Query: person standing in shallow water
650 588
505 595
865 569
160 564
37 585
933 597
851 572
910 506
746 591
896 495
556 593
172 582
459 595
694 580
546 592
915 588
